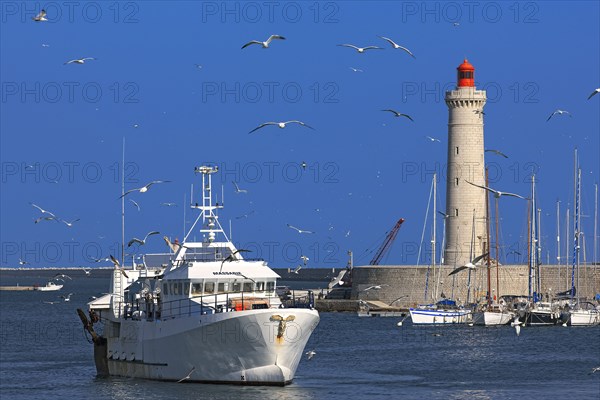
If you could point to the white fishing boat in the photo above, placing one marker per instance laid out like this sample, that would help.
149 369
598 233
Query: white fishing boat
493 314
49 287
206 315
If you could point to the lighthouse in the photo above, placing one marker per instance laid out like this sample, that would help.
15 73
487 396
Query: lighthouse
465 203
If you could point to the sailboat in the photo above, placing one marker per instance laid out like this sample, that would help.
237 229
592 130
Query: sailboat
537 312
492 312
577 312
445 311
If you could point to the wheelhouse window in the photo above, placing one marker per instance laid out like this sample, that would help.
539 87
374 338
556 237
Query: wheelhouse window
236 286
270 286
260 286
196 288
209 287
223 287
165 288
174 288
248 287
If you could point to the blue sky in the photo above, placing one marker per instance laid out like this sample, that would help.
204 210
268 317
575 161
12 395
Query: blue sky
365 169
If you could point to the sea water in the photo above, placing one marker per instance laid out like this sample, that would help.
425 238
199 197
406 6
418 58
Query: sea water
45 354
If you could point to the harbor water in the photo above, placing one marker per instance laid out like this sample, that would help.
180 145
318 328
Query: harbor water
44 353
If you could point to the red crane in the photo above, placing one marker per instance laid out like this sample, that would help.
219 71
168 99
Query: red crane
387 243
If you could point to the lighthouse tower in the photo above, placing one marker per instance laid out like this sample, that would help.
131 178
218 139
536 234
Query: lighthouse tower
465 203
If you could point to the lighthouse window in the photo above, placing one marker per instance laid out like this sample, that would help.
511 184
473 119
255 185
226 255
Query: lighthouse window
456 212
456 150
456 180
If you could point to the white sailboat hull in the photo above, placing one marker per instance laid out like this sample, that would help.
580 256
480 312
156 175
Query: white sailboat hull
492 318
247 347
584 318
425 316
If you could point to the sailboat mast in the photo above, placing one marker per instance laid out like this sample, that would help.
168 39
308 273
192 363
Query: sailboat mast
595 261
123 205
434 229
538 243
558 237
575 238
488 246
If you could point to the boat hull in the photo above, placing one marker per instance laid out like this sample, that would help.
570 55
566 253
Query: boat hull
492 318
424 316
257 347
581 317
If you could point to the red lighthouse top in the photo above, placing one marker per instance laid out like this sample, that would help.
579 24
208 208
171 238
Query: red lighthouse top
466 74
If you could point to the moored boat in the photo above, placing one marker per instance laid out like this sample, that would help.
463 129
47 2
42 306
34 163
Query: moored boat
49 287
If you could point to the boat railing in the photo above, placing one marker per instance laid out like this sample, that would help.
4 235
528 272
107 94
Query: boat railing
300 299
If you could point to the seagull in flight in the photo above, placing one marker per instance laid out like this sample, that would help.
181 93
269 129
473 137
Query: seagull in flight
298 229
141 242
69 224
264 44
281 125
62 276
296 270
41 17
397 46
310 354
87 271
232 257
22 262
559 112
594 370
135 204
40 219
143 189
237 188
498 152
479 112
517 325
304 259
361 49
67 297
168 204
356 69
97 260
117 265
245 215
188 376
43 211
79 60
433 139
470 265
595 92
497 193
374 287
397 114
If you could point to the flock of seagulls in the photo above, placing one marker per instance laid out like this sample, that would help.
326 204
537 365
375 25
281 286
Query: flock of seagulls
50 216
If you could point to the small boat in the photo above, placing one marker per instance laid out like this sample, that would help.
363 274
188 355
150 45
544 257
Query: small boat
50 287
443 312
493 314
583 313
202 313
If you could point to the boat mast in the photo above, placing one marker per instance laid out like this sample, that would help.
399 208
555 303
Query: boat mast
123 205
538 244
595 261
558 237
434 228
575 237
532 252
488 246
